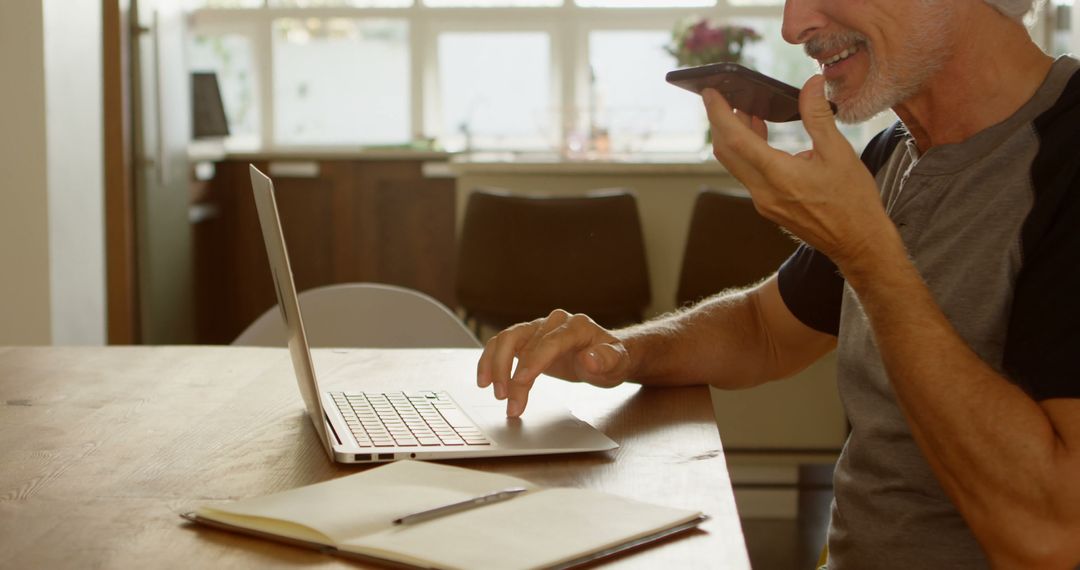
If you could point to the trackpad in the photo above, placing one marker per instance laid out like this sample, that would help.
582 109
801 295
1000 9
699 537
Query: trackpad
540 428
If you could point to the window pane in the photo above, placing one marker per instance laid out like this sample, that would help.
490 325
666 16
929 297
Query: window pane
198 4
632 103
339 3
645 3
490 3
341 81
495 90
230 56
1063 32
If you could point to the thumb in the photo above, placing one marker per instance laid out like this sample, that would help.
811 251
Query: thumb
817 114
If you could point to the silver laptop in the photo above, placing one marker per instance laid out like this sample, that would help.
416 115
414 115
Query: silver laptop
357 426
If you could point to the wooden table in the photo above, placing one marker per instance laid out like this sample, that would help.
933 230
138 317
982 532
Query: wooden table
102 448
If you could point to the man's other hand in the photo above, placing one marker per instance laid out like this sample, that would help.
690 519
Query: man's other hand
571 347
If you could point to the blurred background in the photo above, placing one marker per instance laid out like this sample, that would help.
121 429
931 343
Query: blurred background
128 125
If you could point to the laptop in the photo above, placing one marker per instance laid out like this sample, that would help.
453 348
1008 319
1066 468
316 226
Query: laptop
358 426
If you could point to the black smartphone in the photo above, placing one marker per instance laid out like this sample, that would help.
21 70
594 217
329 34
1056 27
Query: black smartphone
744 89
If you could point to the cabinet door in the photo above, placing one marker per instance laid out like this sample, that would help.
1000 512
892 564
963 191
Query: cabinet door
403 229
353 221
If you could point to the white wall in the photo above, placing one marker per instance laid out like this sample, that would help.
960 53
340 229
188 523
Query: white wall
24 245
73 104
52 262
1074 45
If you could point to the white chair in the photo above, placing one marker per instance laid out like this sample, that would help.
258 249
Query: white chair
365 315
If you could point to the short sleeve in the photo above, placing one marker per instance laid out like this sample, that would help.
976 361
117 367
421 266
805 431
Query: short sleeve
1042 345
812 289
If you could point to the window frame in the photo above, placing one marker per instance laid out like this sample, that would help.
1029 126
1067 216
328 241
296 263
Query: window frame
569 26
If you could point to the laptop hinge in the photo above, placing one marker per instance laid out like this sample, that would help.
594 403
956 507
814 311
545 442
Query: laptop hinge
330 426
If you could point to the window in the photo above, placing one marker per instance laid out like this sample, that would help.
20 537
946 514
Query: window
629 100
495 89
490 3
645 3
490 74
341 81
340 3
230 57
1064 34
198 4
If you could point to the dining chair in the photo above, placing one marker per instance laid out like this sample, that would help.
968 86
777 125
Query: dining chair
368 315
728 245
522 256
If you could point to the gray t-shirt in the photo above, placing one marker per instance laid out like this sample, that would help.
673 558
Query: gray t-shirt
993 226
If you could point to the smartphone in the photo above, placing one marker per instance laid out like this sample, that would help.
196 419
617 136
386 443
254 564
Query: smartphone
744 89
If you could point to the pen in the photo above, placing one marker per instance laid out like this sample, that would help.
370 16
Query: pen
461 506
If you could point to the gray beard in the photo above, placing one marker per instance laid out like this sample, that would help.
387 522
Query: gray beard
887 86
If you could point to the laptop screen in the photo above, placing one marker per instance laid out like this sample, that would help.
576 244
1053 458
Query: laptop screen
285 289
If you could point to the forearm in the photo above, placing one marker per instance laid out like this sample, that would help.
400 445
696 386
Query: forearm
993 448
724 341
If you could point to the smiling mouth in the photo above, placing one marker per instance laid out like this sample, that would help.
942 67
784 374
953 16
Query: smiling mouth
854 49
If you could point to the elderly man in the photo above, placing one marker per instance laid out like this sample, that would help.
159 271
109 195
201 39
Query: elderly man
944 268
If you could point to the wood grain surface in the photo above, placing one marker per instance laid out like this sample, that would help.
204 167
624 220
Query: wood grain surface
101 449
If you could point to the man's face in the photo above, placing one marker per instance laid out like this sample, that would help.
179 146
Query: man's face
874 53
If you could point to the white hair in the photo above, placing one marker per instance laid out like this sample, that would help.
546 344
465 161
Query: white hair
1014 9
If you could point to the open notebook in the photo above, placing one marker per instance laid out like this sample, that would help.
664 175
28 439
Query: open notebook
539 528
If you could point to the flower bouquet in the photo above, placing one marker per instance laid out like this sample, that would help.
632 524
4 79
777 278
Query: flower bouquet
697 42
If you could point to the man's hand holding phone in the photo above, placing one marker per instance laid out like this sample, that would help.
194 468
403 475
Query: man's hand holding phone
824 196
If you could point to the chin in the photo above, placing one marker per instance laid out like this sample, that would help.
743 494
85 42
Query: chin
851 114
862 105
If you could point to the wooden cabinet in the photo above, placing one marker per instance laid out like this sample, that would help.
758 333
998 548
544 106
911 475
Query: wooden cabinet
344 221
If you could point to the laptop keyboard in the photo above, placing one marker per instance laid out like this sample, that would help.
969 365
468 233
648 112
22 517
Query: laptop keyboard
404 419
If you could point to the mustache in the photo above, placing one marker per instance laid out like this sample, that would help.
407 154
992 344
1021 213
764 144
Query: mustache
821 44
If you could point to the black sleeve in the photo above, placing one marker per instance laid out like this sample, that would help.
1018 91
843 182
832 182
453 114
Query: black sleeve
812 289
1042 345
810 284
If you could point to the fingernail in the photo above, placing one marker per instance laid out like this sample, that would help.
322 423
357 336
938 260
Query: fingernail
500 391
513 408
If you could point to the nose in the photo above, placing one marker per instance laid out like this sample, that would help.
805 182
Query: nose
801 19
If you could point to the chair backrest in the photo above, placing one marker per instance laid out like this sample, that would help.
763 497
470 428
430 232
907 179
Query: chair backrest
728 245
367 315
520 257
